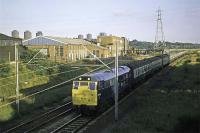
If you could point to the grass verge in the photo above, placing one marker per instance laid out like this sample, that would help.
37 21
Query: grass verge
167 103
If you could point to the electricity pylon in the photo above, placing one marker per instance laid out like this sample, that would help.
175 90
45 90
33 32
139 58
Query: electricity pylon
159 43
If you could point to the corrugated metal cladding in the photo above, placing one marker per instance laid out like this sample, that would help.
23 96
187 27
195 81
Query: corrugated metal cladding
41 41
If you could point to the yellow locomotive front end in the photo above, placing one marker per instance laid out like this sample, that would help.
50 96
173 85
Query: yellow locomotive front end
84 93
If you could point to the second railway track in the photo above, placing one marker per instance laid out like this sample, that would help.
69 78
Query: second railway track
74 125
41 120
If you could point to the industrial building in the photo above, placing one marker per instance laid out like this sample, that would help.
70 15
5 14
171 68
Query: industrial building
7 47
66 49
111 41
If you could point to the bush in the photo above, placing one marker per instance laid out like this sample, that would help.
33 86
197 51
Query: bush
63 68
88 61
27 55
4 72
187 61
4 69
198 59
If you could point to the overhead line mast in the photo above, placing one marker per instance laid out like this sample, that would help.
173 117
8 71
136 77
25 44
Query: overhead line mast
17 75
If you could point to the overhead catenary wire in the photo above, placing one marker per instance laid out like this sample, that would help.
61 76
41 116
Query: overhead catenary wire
4 64
42 76
3 67
51 75
7 66
34 71
61 83
35 55
49 88
96 57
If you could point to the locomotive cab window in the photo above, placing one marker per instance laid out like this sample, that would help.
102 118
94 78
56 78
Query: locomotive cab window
92 86
76 84
83 83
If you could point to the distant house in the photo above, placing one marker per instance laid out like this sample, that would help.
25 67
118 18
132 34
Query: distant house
65 49
7 49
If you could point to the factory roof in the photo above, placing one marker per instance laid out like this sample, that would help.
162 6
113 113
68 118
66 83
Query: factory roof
5 37
69 40
51 40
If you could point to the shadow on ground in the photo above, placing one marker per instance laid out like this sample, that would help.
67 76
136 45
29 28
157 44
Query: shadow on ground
188 124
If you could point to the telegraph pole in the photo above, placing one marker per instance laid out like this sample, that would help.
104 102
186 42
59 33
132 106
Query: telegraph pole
17 76
116 82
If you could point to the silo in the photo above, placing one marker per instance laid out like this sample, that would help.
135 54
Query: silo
15 34
102 34
80 36
39 33
89 36
27 35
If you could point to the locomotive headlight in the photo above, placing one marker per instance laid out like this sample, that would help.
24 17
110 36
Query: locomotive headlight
80 78
88 78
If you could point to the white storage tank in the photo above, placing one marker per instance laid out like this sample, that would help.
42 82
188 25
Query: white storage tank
27 35
15 34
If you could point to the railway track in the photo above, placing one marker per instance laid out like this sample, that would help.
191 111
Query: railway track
74 125
38 122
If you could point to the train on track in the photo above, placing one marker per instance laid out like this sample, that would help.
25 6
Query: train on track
91 91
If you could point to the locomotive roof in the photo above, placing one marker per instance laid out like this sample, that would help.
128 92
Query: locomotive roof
107 74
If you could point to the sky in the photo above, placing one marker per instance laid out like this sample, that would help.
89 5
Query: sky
134 19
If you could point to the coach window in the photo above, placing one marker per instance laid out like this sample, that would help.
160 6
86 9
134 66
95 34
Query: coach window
101 85
127 75
139 71
111 82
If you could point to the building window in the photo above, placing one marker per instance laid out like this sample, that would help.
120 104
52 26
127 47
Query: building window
57 50
94 53
97 53
61 51
44 51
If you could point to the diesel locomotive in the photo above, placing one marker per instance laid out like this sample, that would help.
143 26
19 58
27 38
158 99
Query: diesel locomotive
94 89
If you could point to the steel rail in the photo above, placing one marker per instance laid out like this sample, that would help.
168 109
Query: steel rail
66 124
37 118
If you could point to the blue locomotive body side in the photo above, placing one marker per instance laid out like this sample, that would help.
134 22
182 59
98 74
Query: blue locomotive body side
107 87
